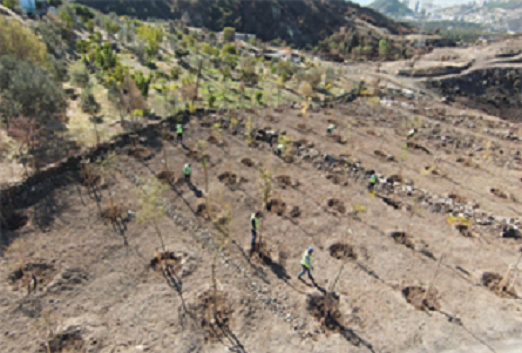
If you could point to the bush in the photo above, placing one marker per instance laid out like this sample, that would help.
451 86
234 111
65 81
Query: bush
229 49
229 34
180 53
90 26
21 43
259 96
305 89
29 90
175 73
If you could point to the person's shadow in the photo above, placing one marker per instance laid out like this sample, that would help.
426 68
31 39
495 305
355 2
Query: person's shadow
195 190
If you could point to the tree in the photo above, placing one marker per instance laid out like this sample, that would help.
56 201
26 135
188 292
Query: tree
28 90
152 209
143 82
229 34
89 104
21 43
153 36
383 48
305 89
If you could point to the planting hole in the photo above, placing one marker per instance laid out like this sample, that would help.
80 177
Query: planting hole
284 180
464 230
166 176
336 179
403 238
336 204
340 251
296 212
415 296
65 343
210 317
493 280
248 162
32 276
180 264
276 206
316 306
90 180
228 178
141 152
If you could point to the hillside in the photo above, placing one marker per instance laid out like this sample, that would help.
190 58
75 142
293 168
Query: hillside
108 246
392 8
299 22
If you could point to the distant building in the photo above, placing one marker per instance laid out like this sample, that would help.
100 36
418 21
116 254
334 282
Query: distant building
417 5
406 3
34 7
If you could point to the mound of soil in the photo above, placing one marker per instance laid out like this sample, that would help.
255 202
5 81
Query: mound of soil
403 238
414 296
492 280
340 251
37 276
248 162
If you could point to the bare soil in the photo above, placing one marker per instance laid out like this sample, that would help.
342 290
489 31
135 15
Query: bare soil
106 283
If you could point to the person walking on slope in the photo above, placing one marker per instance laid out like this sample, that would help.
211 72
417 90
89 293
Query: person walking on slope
280 149
411 134
254 226
306 264
330 129
187 171
179 131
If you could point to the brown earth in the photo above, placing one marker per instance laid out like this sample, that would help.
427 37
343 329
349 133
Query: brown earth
106 290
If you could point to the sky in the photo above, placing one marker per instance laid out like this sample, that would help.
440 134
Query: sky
439 2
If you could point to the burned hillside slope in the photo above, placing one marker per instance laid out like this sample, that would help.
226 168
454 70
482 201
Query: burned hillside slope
496 91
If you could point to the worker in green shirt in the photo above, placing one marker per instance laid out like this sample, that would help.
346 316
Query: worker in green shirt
306 264
179 131
330 129
187 171
280 149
